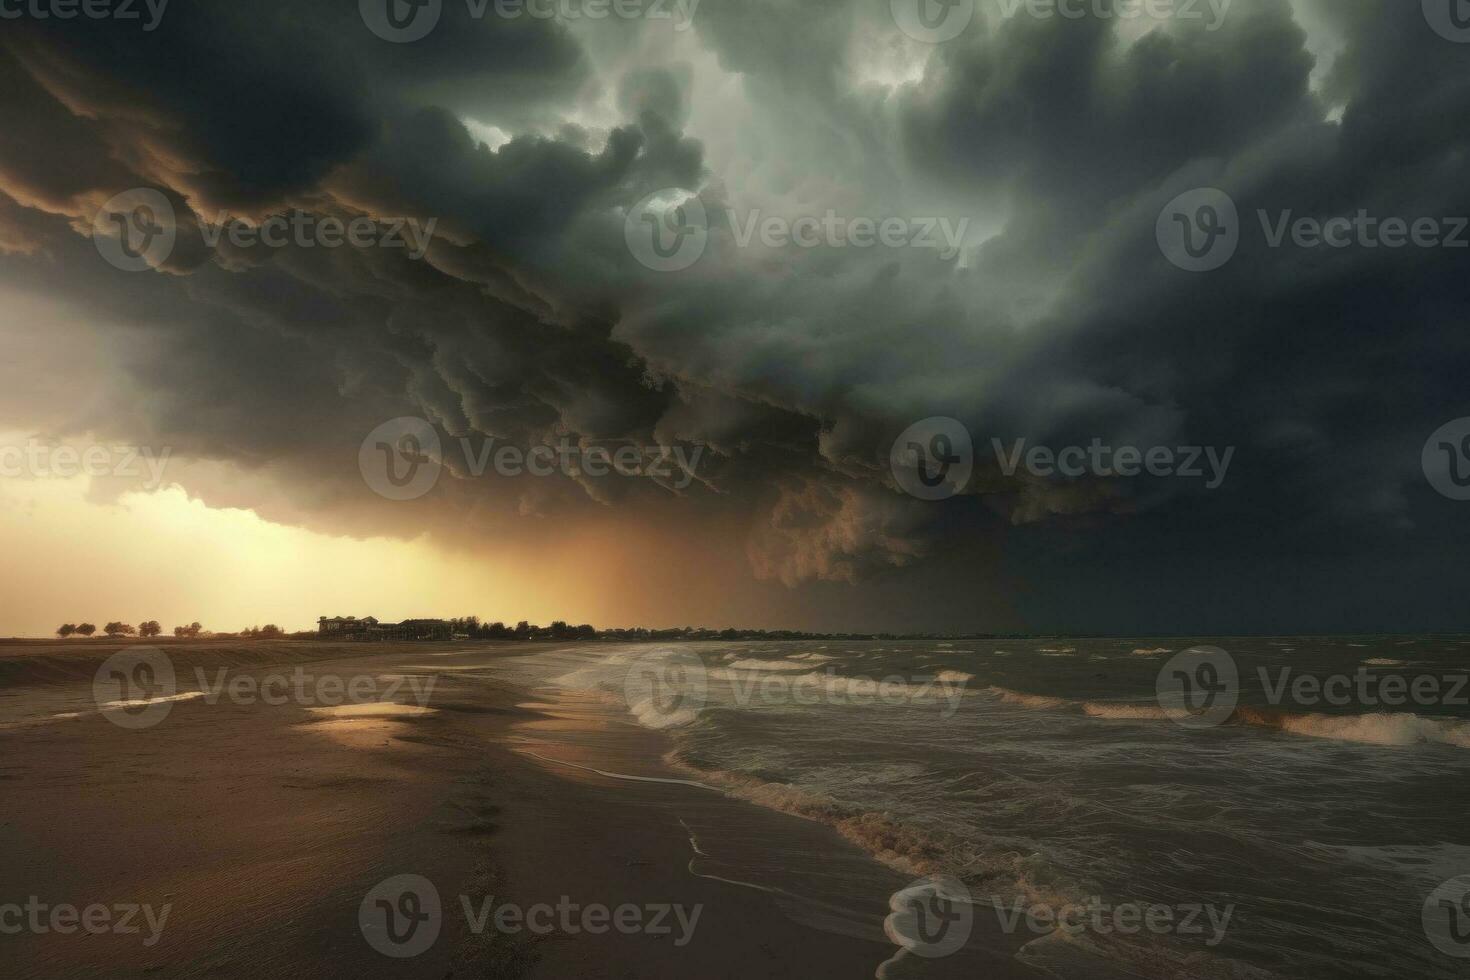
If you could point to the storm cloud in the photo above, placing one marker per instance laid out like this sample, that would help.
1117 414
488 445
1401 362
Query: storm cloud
792 363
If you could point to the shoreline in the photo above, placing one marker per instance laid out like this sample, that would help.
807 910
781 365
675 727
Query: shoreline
262 829
827 893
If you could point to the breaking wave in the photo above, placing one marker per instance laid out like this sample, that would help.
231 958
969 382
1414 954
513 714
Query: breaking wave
1038 701
1380 728
902 848
1399 729
770 665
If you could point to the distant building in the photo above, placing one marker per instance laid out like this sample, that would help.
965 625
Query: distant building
368 629
345 627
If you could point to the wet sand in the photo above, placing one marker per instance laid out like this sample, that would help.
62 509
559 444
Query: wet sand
262 827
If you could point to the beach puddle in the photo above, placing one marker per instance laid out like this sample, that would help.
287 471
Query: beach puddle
373 709
145 702
373 725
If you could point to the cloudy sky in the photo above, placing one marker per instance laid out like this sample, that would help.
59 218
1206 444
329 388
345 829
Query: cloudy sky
753 243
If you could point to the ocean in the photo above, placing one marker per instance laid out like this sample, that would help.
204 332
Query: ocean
1053 794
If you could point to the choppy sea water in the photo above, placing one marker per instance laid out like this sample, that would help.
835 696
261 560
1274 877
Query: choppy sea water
1300 838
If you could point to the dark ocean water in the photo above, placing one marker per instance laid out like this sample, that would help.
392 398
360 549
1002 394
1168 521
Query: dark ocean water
1313 824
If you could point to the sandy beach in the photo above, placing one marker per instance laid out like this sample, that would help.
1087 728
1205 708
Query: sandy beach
245 836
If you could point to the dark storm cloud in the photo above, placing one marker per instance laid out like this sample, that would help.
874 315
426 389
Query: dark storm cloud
528 319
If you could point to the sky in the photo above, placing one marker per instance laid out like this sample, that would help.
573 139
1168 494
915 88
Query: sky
348 308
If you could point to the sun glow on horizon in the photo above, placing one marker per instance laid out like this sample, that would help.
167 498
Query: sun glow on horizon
164 555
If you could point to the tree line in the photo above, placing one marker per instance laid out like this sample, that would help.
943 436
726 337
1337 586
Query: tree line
148 628
559 630
472 627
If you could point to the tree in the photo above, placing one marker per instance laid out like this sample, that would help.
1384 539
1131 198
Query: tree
150 628
270 631
119 629
66 630
469 625
86 629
